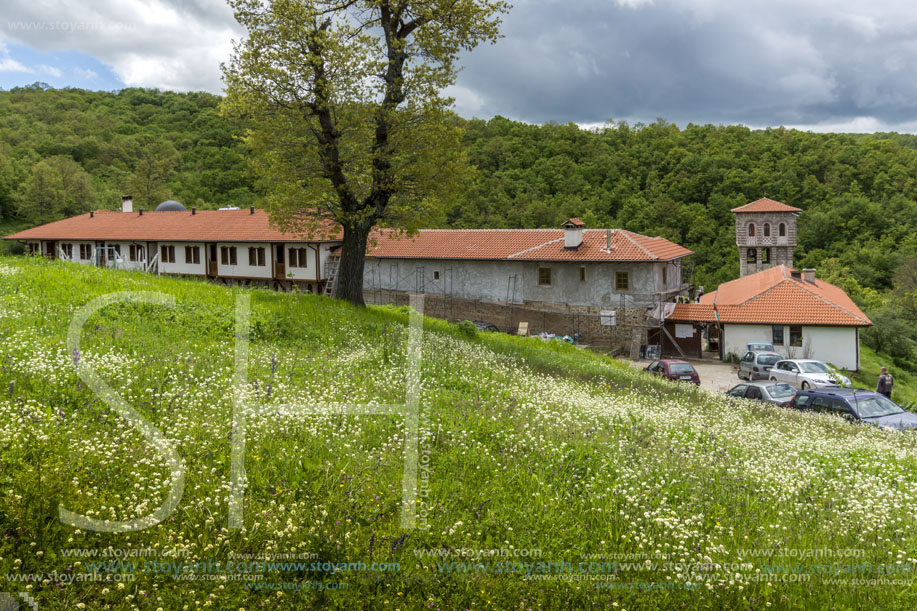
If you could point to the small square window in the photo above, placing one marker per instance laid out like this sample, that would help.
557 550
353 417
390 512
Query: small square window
436 275
622 281
544 276
777 335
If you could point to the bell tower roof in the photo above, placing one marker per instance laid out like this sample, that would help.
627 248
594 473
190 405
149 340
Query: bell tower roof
766 205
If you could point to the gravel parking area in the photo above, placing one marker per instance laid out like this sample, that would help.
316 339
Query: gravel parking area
714 374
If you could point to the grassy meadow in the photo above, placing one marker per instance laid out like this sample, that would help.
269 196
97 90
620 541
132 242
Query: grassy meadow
549 478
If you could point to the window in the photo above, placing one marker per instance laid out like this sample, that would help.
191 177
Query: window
228 255
778 335
781 230
752 255
299 257
256 256
85 251
192 254
751 230
767 230
665 281
739 391
167 254
820 404
582 274
118 249
544 276
796 335
436 275
765 255
68 250
135 252
622 281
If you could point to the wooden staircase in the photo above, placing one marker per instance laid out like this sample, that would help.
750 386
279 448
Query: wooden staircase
331 273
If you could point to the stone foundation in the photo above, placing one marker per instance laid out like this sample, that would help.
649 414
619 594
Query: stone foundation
540 316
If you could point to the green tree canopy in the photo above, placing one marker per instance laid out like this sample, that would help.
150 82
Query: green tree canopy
345 113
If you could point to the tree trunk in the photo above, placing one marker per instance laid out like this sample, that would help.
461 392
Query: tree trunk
350 271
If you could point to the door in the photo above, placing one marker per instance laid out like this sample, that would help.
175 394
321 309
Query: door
280 271
51 250
212 260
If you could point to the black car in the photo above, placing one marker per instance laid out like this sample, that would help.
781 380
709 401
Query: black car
857 406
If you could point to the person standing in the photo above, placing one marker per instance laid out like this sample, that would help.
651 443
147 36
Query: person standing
884 386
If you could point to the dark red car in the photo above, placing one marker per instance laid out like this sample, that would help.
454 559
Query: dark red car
673 369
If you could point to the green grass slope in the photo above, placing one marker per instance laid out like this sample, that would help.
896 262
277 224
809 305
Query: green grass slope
550 478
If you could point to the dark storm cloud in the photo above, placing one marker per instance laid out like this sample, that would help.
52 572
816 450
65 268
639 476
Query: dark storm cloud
759 63
846 64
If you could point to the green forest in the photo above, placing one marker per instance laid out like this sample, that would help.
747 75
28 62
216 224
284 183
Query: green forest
64 152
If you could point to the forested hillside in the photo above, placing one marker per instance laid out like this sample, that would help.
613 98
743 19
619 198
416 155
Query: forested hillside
65 151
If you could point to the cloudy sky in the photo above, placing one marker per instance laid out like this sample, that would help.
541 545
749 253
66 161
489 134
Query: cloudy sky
827 65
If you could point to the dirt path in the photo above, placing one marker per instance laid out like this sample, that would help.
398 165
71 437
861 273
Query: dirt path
714 374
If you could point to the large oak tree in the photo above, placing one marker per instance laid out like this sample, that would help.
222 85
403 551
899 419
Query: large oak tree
345 113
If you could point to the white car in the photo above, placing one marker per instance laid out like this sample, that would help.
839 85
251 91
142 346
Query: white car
806 373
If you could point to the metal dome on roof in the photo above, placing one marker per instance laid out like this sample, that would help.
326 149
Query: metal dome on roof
170 205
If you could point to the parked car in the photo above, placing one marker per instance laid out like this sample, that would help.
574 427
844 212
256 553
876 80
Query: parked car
757 364
759 347
806 373
856 405
484 326
778 393
673 369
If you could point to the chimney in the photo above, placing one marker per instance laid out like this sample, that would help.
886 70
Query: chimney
608 240
127 203
92 213
808 275
193 210
251 210
573 233
141 212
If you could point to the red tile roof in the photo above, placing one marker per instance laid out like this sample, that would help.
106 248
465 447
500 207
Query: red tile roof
241 226
521 244
766 205
204 226
773 296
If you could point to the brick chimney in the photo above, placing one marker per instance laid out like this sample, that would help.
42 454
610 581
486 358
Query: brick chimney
127 204
573 233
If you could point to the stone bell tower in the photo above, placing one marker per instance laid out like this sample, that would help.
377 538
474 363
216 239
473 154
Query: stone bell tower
765 235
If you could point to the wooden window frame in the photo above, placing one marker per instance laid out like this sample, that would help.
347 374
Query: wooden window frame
228 255
622 281
796 335
544 273
751 230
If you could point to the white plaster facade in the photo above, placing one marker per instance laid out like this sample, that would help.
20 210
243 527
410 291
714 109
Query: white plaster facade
836 345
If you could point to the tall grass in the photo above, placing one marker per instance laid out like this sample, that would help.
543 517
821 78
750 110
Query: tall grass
541 451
